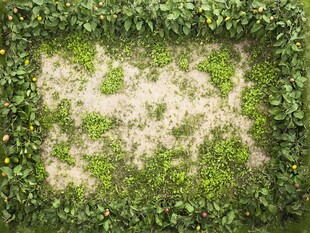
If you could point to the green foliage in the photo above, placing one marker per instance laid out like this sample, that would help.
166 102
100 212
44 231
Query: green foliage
161 176
61 152
41 173
74 47
100 167
62 116
96 125
114 81
251 97
263 74
32 204
221 164
160 56
156 111
183 62
187 127
221 69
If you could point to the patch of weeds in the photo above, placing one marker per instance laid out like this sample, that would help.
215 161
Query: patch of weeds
186 86
46 119
113 148
101 168
55 95
74 47
75 194
61 152
263 74
63 116
188 126
221 70
183 61
41 173
160 56
221 164
96 125
156 111
153 75
161 176
113 82
251 98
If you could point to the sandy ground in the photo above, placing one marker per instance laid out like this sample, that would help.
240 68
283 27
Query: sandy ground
140 133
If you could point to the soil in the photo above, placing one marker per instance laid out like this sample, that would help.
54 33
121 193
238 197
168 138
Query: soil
185 94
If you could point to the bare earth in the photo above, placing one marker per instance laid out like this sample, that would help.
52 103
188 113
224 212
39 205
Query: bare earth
140 133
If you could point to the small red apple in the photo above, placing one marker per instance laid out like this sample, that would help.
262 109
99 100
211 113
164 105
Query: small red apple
167 210
204 214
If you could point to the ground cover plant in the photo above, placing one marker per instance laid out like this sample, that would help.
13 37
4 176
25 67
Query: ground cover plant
160 195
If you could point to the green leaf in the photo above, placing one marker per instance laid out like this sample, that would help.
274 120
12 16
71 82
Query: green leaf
189 208
219 20
87 26
73 20
255 28
128 24
299 114
179 204
186 30
209 206
158 221
56 203
173 219
280 116
292 109
272 209
189 6
264 191
216 206
230 217
263 201
150 23
17 169
164 7
8 171
229 25
38 2
139 25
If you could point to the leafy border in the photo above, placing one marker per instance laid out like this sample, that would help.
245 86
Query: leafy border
280 21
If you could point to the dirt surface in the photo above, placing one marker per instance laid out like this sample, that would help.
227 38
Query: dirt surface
185 94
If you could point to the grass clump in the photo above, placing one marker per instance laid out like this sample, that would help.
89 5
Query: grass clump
113 82
75 47
100 167
161 176
40 171
156 111
263 74
187 127
183 62
221 70
62 116
61 152
160 56
96 125
221 163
